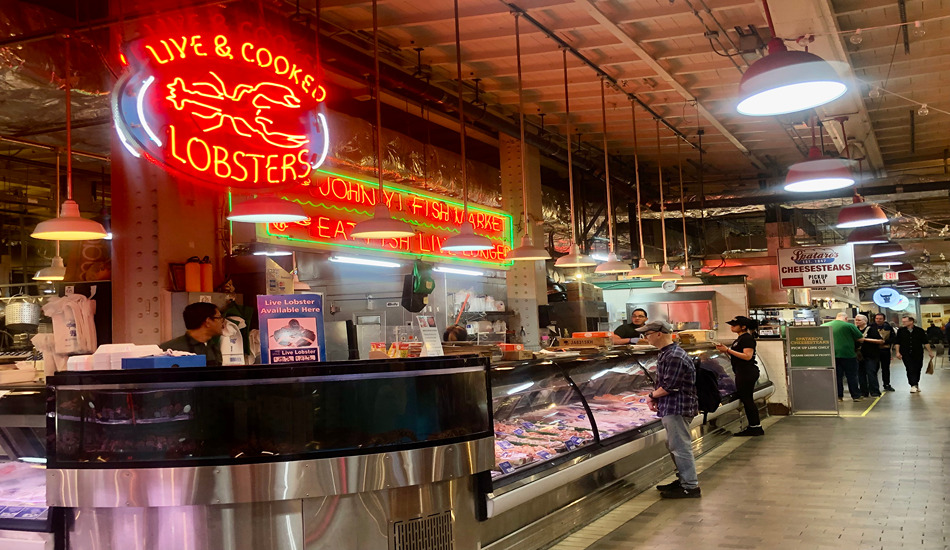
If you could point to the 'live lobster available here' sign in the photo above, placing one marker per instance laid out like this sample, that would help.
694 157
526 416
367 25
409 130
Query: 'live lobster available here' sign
816 266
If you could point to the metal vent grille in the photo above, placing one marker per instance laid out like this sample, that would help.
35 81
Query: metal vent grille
429 533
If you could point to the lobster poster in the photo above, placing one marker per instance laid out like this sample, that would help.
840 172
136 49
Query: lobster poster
291 328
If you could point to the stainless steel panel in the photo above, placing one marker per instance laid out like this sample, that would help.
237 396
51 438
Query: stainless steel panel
368 521
258 526
141 487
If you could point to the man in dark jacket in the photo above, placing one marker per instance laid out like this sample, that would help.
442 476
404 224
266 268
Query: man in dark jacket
886 332
910 344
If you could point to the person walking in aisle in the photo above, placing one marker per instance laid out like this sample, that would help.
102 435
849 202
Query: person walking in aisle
742 355
676 403
886 332
909 348
869 358
845 337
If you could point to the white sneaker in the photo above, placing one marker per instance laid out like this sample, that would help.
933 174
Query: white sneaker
914 389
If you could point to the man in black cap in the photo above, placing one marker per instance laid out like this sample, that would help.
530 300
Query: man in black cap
742 355
627 332
676 403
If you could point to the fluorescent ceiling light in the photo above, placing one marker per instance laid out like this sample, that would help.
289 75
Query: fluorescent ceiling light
363 261
457 271
271 251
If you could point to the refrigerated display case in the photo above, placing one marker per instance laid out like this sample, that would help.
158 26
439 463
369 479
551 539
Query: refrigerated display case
270 455
569 429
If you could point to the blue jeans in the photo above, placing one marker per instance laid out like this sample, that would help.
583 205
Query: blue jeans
867 375
848 366
680 445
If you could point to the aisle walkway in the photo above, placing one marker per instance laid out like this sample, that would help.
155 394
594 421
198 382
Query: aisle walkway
878 481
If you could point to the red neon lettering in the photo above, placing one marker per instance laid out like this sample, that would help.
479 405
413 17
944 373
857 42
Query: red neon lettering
294 71
270 169
286 65
221 159
195 44
172 140
270 58
321 228
239 165
244 47
257 165
322 94
306 83
352 191
191 159
367 196
415 205
302 159
340 230
221 46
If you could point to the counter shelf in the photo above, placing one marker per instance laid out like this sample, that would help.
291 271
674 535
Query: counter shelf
549 414
257 414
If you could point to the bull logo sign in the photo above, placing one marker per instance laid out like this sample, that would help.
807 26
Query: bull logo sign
239 109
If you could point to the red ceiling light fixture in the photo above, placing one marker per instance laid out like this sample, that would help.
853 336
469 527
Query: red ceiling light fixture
868 235
903 267
887 250
787 81
860 214
819 173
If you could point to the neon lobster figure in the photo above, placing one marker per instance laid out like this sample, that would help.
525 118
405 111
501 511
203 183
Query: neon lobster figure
250 110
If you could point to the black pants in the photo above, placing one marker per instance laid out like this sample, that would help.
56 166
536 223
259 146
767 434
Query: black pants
913 365
886 366
745 386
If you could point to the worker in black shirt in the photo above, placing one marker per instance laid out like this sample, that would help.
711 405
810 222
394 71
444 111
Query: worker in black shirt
909 347
742 354
627 332
204 325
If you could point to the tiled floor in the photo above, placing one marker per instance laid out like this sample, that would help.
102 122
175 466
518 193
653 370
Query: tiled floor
877 481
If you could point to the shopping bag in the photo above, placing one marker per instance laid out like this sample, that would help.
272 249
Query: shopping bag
930 366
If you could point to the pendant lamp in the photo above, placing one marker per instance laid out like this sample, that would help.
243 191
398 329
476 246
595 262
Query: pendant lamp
612 265
266 209
643 269
787 81
666 274
70 225
903 267
867 235
466 240
884 262
860 214
688 277
381 225
886 250
56 271
526 251
574 258
819 173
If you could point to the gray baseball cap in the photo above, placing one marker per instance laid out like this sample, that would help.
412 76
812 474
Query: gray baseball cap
657 326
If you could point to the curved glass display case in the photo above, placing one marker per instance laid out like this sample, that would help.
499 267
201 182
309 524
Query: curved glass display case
546 412
234 415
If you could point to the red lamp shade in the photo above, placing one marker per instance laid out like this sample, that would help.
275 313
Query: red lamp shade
906 277
787 82
860 214
886 250
818 174
902 267
867 235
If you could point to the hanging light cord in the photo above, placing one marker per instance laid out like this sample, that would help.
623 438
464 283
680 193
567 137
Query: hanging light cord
570 146
379 113
659 169
69 128
610 210
58 198
679 162
524 178
636 172
768 16
458 66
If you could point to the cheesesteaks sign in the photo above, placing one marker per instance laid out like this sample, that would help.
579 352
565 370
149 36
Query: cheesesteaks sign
817 266
224 102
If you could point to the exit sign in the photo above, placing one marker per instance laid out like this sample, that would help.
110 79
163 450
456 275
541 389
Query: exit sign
891 276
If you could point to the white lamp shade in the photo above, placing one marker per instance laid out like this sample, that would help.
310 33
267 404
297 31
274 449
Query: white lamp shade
267 210
644 271
467 240
528 252
667 274
575 259
689 278
612 265
787 82
69 226
55 272
381 226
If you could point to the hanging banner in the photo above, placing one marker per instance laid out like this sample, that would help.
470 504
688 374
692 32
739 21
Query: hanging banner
337 202
817 266
291 328
223 102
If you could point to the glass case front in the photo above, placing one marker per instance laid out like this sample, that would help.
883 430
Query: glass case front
264 419
538 416
616 390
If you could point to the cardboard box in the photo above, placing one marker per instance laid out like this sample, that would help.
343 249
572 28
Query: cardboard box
520 355
163 362
585 342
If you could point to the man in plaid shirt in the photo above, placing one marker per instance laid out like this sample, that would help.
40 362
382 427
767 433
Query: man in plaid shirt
675 402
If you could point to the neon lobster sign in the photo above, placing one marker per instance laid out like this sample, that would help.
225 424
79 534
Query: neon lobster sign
239 109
